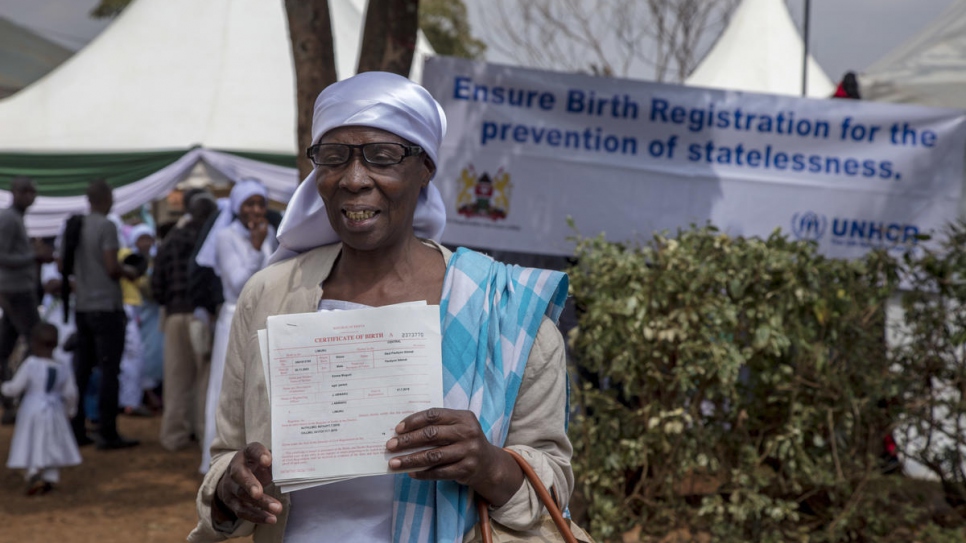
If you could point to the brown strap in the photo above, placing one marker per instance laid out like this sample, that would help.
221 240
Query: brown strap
486 531
545 497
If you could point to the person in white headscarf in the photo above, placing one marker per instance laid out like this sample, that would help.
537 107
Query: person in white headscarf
240 244
136 251
361 231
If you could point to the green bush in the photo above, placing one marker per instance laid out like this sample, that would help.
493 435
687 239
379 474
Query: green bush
744 390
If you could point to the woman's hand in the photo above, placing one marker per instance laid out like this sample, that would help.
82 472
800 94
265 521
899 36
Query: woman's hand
241 489
458 451
258 228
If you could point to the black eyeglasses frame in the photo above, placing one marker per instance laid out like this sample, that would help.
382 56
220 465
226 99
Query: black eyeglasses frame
408 151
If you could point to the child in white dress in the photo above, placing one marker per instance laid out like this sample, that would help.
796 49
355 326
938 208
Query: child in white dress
42 440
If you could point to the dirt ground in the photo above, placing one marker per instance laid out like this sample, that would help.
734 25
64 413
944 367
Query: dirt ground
140 495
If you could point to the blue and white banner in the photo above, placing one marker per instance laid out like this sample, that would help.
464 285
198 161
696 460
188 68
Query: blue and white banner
525 149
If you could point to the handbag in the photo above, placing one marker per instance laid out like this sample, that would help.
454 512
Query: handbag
551 528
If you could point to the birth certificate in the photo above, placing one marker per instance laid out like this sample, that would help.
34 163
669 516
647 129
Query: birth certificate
340 382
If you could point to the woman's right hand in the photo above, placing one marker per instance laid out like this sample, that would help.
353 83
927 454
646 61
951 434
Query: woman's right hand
241 489
258 230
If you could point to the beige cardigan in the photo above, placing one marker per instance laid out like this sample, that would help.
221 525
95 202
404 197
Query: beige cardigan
294 286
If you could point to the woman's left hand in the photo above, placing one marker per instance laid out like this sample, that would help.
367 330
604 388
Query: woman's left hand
457 451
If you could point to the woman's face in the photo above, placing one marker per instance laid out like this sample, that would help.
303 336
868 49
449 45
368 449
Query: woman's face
252 210
371 207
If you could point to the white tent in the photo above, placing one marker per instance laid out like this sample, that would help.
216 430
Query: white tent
760 51
928 69
177 81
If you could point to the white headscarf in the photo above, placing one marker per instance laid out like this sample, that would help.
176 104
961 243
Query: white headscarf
243 190
137 231
377 100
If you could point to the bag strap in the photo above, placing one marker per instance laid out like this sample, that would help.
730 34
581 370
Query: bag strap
483 508
72 233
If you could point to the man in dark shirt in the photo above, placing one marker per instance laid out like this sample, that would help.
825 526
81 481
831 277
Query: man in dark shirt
100 315
185 374
19 257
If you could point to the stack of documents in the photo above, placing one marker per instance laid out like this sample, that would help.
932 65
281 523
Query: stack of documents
340 382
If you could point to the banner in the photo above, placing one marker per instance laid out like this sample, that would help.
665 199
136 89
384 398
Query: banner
526 149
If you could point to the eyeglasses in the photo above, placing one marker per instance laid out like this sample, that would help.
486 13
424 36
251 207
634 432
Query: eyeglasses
378 154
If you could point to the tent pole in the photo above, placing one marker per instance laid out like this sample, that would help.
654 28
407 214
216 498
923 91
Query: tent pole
805 55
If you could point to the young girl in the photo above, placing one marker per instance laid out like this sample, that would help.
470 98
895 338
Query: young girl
42 440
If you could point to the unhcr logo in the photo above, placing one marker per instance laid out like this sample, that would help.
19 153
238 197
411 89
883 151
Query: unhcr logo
809 225
813 226
875 232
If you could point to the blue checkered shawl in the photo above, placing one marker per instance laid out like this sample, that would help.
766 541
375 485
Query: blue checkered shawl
489 314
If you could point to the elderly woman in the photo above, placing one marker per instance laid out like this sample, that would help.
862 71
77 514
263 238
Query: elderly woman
359 233
239 244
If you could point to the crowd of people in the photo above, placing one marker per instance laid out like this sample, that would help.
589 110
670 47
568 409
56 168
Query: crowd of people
110 319
361 231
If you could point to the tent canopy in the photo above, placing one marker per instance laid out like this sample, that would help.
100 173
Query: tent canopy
173 74
927 69
760 51
167 84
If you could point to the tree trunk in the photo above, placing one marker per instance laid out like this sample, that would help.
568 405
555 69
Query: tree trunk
389 40
310 29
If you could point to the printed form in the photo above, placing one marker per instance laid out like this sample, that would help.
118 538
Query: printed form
340 382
